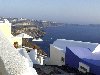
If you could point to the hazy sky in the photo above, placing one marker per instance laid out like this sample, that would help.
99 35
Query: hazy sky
69 11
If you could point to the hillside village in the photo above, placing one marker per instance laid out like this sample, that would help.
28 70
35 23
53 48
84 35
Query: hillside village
34 61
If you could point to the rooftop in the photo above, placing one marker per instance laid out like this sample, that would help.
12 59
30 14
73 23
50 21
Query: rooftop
63 43
89 52
4 21
24 35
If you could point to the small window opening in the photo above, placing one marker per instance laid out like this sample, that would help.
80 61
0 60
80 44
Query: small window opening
16 44
62 59
83 68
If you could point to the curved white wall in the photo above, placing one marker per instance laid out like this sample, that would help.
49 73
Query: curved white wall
11 62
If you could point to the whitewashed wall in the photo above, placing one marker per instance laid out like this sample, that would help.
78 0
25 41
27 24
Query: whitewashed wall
34 58
5 27
55 56
11 61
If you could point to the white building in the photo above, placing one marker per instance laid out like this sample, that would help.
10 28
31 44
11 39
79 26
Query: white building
24 35
5 28
58 50
33 54
13 61
36 59
84 56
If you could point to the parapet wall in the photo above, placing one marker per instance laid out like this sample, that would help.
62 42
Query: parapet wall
11 62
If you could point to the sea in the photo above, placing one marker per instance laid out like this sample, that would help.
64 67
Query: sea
85 33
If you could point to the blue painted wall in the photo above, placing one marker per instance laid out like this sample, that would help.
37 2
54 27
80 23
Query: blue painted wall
73 61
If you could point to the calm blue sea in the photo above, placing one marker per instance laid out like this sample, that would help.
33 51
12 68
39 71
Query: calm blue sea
70 32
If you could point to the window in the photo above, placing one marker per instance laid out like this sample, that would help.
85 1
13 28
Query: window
83 68
16 44
62 59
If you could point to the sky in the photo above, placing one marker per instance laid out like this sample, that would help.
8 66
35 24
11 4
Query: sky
65 11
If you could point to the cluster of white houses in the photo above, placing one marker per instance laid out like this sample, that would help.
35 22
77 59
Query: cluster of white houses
84 56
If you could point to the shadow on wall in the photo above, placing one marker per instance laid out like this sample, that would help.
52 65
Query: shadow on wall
2 68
